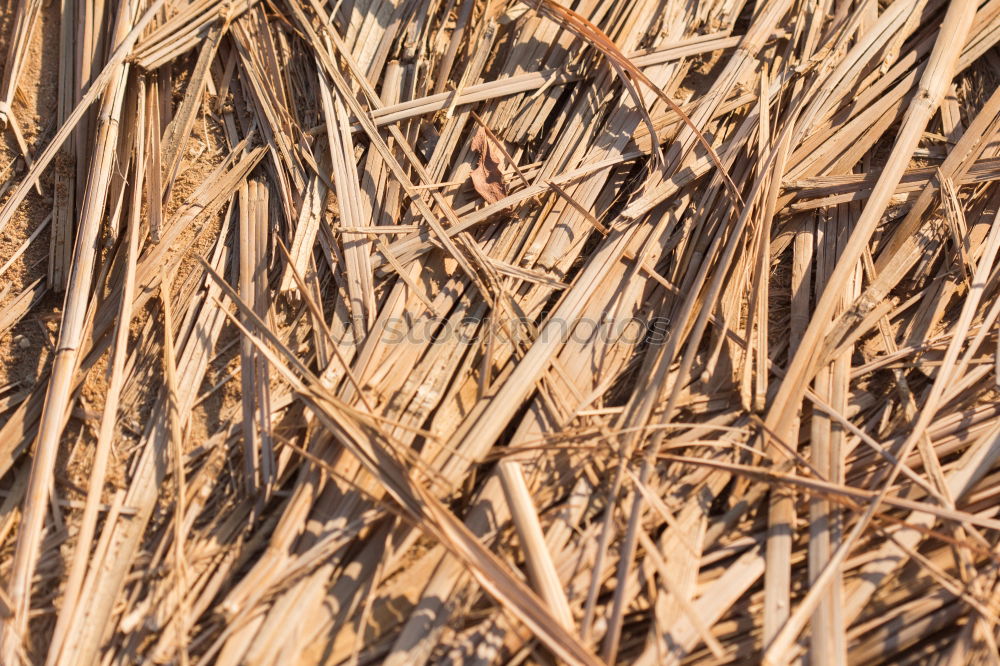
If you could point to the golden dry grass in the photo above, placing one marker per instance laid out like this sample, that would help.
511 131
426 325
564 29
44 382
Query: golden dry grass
499 331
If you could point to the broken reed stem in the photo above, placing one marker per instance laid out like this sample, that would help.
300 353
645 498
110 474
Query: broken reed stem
88 521
542 571
177 456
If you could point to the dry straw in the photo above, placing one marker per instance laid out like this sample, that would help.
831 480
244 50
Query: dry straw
318 332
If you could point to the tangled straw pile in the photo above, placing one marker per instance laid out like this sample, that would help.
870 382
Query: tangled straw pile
486 331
